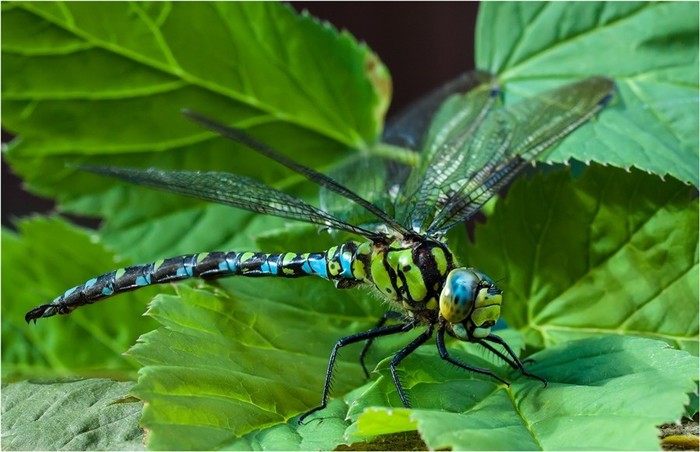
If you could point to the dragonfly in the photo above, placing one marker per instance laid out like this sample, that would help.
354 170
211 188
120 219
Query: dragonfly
468 147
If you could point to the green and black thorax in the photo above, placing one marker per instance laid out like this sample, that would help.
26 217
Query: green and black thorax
408 272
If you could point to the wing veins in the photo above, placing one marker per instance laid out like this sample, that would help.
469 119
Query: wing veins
240 136
233 190
554 119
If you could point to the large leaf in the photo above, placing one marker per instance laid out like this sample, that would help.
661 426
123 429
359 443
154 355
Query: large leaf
222 367
598 398
120 74
80 415
167 62
250 356
650 49
608 252
41 261
225 365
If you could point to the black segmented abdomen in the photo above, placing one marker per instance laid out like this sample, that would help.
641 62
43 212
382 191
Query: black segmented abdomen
334 264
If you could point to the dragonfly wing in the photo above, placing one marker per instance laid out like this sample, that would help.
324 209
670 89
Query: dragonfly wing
233 190
367 176
408 128
494 153
240 136
456 119
381 180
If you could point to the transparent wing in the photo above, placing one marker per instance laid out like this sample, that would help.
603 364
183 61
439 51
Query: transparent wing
323 181
488 157
368 177
443 155
409 127
233 190
381 179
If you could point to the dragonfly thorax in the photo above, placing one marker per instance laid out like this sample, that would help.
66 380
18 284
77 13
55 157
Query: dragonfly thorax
410 273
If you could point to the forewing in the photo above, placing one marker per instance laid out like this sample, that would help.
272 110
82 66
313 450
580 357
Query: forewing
233 190
506 140
240 136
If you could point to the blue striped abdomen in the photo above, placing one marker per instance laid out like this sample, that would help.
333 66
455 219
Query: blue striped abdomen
338 264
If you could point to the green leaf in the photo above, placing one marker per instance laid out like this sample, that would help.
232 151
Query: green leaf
42 260
154 58
597 398
650 49
608 252
225 364
325 435
79 415
120 74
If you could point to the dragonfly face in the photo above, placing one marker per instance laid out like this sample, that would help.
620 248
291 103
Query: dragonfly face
471 303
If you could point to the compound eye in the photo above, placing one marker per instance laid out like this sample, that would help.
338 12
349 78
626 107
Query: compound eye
483 276
458 294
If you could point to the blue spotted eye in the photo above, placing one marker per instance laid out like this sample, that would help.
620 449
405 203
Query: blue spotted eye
458 294
463 286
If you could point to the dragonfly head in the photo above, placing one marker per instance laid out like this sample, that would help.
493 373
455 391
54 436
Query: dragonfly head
471 303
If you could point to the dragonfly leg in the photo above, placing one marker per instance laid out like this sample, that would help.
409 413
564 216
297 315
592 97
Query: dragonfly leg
388 315
446 356
366 335
500 354
404 352
515 362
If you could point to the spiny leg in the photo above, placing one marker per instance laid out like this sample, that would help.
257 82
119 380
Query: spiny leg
366 335
515 363
388 315
404 352
500 354
446 356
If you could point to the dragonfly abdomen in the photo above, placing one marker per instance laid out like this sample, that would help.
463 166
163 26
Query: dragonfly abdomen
335 264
